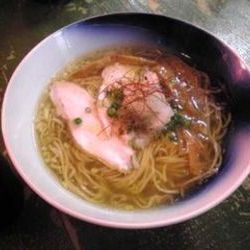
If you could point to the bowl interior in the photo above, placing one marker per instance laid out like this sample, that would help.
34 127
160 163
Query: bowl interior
52 54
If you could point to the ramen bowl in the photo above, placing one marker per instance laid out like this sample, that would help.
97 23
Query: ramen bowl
51 55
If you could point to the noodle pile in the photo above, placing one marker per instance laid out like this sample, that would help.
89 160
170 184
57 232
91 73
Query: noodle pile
164 170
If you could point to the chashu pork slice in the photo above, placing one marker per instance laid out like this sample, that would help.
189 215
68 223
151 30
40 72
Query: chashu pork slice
78 108
145 98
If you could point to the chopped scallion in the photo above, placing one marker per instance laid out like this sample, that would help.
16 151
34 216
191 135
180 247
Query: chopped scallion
177 120
111 111
78 121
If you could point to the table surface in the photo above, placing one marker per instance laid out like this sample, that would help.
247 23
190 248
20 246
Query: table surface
23 23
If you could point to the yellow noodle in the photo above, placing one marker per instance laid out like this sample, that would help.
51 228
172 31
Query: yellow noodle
162 174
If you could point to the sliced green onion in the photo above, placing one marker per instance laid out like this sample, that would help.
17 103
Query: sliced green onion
112 112
116 95
115 105
172 81
78 121
177 120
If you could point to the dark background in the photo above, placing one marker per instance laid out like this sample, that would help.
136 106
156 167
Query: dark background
23 23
